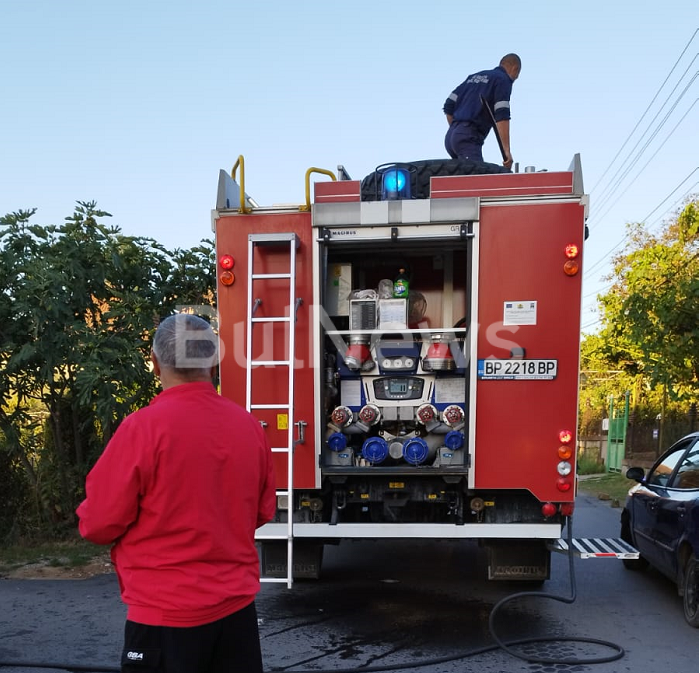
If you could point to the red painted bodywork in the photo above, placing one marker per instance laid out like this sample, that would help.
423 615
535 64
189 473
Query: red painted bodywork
501 184
521 258
522 254
269 385
336 191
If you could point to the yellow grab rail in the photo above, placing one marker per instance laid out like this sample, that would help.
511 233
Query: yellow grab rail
240 162
323 171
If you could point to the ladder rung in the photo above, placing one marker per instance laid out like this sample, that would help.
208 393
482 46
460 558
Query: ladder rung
273 537
276 319
282 491
280 450
270 406
287 237
270 363
277 580
266 276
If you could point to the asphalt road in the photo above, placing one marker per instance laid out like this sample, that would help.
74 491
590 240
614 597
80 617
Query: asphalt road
391 604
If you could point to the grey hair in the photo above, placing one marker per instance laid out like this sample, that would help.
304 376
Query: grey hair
185 342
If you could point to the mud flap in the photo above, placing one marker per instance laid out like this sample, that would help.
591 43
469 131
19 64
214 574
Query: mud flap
518 560
306 564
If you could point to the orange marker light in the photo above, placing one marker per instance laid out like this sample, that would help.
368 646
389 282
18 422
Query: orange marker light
571 267
227 278
565 452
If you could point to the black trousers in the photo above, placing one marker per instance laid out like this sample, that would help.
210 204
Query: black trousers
229 645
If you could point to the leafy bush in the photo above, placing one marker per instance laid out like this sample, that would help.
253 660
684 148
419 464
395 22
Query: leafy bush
79 303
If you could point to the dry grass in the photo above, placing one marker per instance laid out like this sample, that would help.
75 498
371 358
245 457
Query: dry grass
611 486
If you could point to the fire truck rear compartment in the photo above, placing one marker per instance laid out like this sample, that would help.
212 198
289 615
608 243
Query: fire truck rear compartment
387 499
395 370
391 498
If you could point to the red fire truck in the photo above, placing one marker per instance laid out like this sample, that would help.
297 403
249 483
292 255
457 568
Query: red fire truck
448 412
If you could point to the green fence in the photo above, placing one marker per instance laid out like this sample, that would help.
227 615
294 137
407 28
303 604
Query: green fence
618 419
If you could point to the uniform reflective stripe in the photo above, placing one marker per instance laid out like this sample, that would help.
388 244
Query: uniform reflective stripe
453 96
501 105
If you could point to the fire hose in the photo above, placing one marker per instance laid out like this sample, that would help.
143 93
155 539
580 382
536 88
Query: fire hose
507 646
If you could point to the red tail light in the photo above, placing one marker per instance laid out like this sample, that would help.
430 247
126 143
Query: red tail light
571 251
226 262
566 508
563 485
565 436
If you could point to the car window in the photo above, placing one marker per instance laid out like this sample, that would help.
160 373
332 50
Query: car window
661 474
688 470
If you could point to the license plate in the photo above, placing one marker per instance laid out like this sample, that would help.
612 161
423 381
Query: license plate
517 370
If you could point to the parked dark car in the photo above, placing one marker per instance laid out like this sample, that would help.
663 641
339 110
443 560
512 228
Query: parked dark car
660 519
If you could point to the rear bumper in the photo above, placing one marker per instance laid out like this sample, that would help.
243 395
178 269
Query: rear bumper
475 531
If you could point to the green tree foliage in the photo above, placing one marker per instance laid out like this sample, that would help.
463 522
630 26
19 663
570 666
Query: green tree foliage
651 315
648 342
78 305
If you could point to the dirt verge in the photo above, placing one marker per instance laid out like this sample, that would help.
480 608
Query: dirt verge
50 570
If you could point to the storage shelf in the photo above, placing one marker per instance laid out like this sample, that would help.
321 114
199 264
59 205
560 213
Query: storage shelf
372 332
398 470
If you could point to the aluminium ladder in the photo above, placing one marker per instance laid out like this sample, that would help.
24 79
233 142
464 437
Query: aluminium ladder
285 405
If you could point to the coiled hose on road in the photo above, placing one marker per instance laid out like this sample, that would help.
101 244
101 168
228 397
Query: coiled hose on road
507 646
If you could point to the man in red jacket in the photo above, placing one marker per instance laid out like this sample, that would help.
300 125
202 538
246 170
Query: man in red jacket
179 492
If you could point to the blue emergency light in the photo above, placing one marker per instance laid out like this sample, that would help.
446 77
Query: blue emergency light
395 180
396 183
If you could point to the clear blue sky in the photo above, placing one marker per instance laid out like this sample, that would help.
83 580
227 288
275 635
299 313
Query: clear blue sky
137 104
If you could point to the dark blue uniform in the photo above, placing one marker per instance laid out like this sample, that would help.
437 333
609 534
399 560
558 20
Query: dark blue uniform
471 123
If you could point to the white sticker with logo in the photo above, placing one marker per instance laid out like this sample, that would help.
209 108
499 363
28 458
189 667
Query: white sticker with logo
520 312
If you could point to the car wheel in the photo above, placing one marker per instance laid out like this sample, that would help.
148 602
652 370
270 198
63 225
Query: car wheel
631 563
690 592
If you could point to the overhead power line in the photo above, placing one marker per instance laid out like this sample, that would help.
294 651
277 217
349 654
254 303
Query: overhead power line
658 149
645 111
621 179
630 162
603 259
595 293
673 192
693 189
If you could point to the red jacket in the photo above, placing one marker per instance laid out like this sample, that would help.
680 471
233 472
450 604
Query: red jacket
180 490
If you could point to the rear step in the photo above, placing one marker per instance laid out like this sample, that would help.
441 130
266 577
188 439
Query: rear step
596 547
